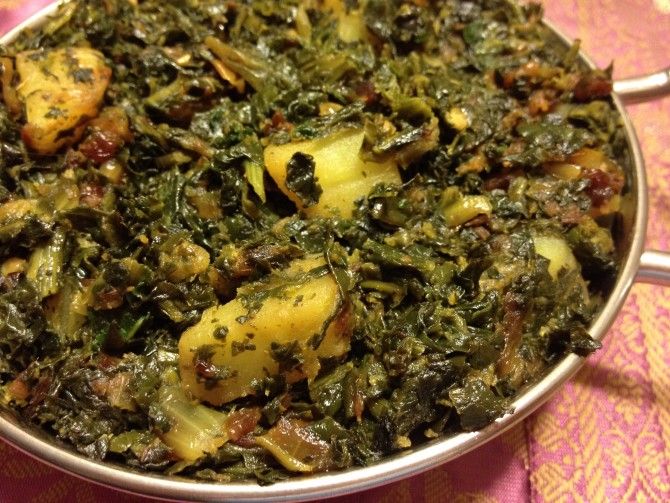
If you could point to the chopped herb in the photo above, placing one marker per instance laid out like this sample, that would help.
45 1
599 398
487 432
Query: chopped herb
238 347
300 179
208 373
221 332
288 356
55 112
82 75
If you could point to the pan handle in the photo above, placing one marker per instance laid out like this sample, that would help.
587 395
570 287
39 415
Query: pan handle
645 88
654 268
654 265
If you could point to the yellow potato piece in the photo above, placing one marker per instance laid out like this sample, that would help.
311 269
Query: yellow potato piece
297 309
557 251
351 25
61 90
183 261
17 209
342 174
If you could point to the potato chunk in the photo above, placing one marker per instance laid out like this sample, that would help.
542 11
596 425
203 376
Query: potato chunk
557 252
183 261
342 174
351 25
61 90
270 328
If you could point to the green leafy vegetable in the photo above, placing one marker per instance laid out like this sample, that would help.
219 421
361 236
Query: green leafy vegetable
300 179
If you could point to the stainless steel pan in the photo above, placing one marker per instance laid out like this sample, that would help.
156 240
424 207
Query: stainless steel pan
637 265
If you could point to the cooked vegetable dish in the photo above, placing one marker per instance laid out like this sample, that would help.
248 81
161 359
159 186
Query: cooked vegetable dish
248 239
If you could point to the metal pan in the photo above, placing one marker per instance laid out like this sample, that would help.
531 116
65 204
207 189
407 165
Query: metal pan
637 265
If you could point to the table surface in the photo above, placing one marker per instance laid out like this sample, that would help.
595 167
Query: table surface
606 435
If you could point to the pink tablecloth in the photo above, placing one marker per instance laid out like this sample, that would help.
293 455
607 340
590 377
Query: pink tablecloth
606 435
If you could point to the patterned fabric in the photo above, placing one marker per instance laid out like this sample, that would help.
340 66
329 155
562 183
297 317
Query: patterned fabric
606 435
12 12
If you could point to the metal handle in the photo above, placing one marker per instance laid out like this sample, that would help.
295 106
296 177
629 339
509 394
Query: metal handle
654 268
646 88
654 265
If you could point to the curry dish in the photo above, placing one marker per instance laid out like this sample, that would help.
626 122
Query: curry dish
248 239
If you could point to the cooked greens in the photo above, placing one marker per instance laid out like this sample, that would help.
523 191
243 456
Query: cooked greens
252 239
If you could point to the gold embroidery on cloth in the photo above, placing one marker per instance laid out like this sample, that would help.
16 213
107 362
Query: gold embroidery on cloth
399 493
631 464
663 6
438 488
653 327
516 440
10 4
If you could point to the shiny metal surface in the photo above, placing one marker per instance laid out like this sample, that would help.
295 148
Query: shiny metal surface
654 268
645 88
411 462
654 265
